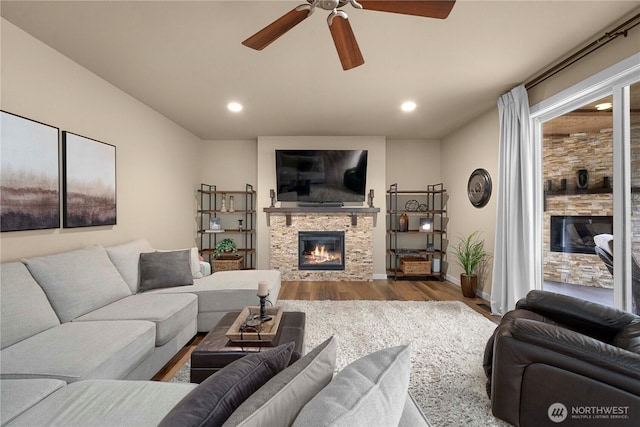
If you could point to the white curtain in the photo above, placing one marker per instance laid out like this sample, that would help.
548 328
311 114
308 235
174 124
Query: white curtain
514 271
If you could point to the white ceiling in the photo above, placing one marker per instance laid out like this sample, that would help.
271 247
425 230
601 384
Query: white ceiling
185 60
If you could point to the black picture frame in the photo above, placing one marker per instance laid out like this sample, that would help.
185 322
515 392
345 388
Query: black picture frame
89 182
30 174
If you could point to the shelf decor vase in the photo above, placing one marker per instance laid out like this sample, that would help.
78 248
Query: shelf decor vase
469 285
403 223
223 203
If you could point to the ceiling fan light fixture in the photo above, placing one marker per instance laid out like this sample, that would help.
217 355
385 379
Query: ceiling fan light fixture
234 107
408 106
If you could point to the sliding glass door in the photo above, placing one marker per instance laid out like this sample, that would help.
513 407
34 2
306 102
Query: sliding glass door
577 163
589 227
633 94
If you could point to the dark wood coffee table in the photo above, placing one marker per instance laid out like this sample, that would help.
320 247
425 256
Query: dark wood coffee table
215 351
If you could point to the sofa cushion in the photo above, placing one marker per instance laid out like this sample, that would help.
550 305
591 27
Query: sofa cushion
18 396
226 291
164 270
412 415
25 310
126 258
78 282
215 399
370 391
75 351
106 403
170 313
194 260
278 402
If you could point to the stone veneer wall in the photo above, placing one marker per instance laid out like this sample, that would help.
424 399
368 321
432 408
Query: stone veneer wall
594 152
562 158
579 269
358 246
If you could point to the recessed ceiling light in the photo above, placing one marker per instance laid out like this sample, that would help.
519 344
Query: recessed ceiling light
604 106
236 107
408 106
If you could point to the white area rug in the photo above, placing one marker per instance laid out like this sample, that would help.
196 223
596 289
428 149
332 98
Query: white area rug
447 343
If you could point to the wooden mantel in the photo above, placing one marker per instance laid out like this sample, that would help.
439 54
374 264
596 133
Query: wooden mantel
326 210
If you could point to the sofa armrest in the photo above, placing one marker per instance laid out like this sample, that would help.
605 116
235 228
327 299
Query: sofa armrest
205 268
593 319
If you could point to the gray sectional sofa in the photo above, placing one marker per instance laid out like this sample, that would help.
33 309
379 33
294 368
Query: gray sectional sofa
78 315
79 339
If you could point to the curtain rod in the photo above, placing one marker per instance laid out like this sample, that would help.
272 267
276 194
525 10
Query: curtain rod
621 30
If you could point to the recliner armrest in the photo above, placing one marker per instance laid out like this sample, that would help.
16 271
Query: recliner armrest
576 345
593 319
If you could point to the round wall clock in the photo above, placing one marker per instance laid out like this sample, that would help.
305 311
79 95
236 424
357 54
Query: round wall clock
479 188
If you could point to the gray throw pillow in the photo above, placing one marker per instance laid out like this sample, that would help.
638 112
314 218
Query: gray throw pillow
369 392
213 401
278 402
164 270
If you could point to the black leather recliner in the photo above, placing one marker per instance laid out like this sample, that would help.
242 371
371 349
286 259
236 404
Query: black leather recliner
558 358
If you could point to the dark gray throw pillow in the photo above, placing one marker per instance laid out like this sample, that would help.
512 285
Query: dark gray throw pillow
213 401
164 270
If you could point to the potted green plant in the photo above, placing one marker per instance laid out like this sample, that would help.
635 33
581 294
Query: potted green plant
469 253
225 248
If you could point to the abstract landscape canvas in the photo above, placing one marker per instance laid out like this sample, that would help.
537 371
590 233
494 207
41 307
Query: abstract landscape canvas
29 174
89 182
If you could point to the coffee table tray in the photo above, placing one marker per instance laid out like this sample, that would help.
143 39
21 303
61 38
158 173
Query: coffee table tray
269 328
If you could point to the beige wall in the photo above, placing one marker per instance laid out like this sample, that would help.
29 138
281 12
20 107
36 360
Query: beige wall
608 55
473 146
267 180
412 164
156 160
229 165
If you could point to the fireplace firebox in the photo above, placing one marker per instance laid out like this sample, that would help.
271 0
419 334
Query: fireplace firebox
574 234
321 250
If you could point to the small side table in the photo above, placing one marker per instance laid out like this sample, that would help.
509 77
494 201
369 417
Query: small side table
215 351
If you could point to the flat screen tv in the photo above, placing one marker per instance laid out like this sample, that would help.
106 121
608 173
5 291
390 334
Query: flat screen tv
321 176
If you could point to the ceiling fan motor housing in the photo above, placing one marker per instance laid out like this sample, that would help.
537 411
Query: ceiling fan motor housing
330 4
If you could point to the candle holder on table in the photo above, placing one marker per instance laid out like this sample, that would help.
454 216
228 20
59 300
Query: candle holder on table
263 315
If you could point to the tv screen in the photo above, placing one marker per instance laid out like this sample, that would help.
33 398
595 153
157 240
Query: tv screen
321 176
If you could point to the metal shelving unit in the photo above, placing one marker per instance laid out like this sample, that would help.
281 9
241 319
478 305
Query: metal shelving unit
428 245
244 209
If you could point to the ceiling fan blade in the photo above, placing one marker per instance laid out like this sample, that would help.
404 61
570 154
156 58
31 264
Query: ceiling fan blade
346 44
430 9
277 28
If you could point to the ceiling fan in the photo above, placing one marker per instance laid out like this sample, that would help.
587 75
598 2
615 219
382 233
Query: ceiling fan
343 37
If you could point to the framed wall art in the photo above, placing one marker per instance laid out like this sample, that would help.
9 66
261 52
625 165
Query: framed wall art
29 174
89 182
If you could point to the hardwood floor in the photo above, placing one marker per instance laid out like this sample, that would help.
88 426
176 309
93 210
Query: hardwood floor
381 290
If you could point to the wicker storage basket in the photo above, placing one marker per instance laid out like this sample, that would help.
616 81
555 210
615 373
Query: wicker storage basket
415 266
227 263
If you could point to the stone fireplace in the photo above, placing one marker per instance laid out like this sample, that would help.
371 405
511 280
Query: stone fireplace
321 250
294 234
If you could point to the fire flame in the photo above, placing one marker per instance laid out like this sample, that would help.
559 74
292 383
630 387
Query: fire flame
320 255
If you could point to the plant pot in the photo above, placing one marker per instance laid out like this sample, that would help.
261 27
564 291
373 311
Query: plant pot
469 285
